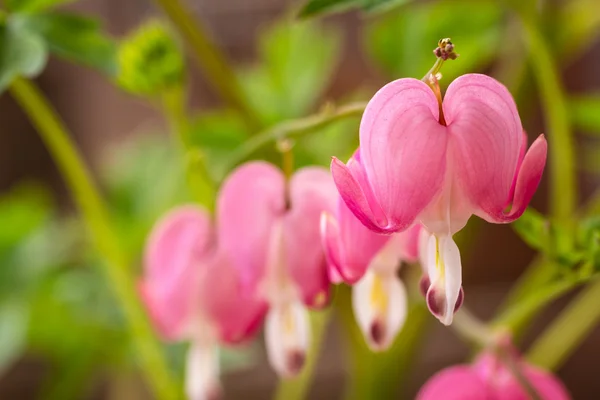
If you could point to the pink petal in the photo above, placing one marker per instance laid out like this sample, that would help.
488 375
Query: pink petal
358 245
403 150
527 180
546 385
409 243
312 192
173 264
455 383
485 139
355 197
329 240
250 201
236 313
519 163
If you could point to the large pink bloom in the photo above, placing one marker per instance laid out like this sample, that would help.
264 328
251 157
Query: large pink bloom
417 169
369 261
270 228
192 292
489 379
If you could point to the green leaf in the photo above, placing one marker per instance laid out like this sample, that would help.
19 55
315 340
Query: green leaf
317 7
23 210
588 238
585 113
297 62
534 229
401 43
22 51
216 133
33 6
13 332
75 38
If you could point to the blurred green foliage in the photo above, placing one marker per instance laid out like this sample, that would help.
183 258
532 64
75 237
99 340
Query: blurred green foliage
150 61
33 29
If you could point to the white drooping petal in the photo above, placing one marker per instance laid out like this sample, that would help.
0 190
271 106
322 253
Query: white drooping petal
445 275
202 371
287 335
380 306
453 275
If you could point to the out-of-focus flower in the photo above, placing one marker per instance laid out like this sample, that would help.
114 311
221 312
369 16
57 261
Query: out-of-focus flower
192 292
369 261
439 164
150 61
270 228
489 379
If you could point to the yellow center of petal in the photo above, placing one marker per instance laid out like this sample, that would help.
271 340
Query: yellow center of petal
289 324
379 298
439 261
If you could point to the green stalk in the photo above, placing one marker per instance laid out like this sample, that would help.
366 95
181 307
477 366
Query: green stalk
293 128
516 318
78 179
568 330
199 180
213 62
297 388
560 138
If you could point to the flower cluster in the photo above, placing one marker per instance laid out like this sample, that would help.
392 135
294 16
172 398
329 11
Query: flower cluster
423 168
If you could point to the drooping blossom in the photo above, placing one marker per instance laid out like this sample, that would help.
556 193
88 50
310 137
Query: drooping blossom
192 293
488 378
438 164
270 228
369 261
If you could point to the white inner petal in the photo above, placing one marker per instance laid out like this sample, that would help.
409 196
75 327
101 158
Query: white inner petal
453 275
388 259
202 371
380 305
287 335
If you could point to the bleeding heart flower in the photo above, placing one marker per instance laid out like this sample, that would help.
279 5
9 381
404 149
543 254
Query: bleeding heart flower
192 292
369 261
270 228
489 379
439 164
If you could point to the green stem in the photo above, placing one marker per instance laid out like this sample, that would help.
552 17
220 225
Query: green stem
293 128
568 329
297 388
199 180
562 164
472 329
213 62
78 179
380 375
539 272
516 318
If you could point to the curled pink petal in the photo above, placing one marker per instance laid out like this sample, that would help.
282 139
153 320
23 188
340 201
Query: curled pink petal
486 139
527 180
355 197
403 150
174 261
312 192
251 199
358 245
